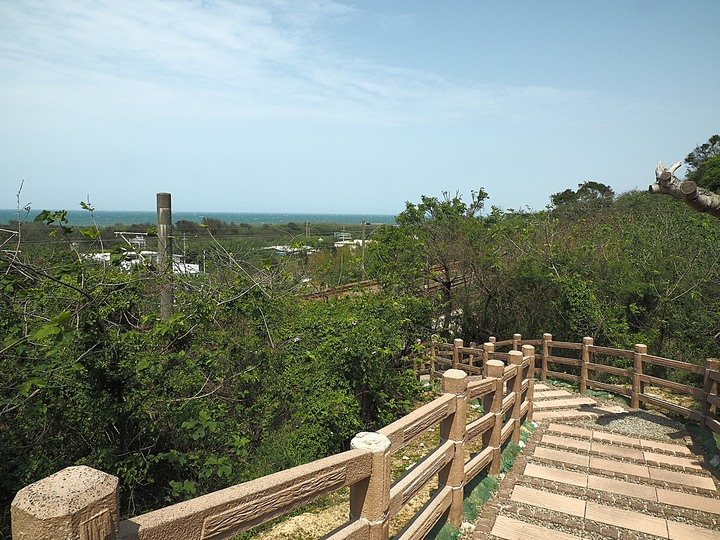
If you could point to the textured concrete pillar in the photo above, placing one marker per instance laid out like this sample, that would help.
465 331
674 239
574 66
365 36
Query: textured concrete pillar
457 355
586 357
517 338
488 350
638 387
514 385
546 349
76 503
710 388
370 498
453 429
529 352
492 403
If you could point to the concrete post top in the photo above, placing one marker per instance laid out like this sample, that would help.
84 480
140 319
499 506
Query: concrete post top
588 341
454 374
547 337
494 368
65 492
454 381
528 350
374 442
515 357
640 348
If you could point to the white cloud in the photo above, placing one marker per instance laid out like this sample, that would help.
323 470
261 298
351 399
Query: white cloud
226 59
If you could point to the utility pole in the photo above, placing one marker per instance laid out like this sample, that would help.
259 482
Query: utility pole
363 249
165 254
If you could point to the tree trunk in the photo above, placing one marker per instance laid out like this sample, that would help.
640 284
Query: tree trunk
700 199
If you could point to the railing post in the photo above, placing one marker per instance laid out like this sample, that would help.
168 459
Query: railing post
453 429
710 387
517 338
492 403
587 342
638 387
488 349
457 355
471 357
529 351
370 498
546 349
515 382
76 502
492 339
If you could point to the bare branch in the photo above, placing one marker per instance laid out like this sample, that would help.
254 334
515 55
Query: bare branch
701 199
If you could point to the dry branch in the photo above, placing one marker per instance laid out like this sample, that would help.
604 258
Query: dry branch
699 198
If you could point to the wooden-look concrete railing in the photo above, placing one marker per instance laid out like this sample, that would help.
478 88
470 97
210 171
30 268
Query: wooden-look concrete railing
443 356
80 502
589 363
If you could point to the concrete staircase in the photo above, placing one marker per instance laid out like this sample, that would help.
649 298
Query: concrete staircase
583 480
558 404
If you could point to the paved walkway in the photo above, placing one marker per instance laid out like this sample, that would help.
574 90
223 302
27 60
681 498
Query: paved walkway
582 482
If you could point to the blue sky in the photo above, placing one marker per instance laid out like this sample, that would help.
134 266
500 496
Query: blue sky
347 106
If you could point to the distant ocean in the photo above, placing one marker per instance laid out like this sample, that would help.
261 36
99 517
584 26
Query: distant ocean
105 218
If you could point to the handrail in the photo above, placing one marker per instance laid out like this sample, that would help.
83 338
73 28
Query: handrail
506 391
582 370
707 396
374 499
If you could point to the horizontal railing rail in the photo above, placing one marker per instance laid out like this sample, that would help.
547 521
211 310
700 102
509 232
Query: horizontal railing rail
505 392
636 377
502 381
585 363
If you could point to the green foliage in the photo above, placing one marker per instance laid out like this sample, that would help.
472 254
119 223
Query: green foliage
703 152
707 174
589 195
242 380
247 377
434 236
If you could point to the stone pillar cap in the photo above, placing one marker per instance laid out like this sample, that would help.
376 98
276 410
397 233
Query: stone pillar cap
455 374
367 440
65 492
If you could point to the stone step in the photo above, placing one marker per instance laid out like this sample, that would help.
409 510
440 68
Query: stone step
609 515
576 414
614 438
644 465
547 394
513 529
569 403
639 491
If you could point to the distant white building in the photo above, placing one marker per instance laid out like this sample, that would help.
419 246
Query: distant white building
133 259
352 244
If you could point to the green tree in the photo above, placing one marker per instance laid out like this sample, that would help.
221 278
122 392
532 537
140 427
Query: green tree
589 195
441 227
707 174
